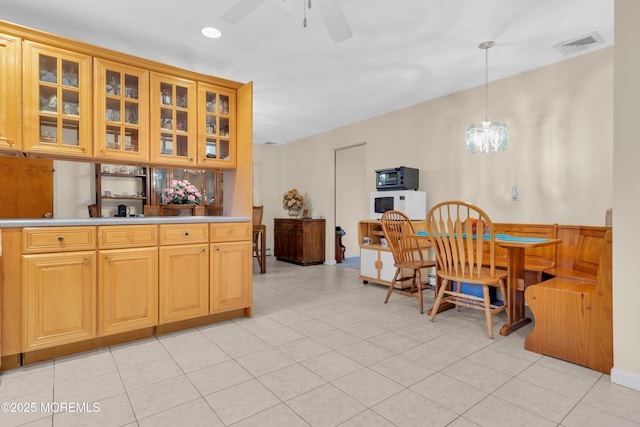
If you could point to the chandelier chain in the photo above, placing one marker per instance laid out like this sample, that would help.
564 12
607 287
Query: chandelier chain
486 85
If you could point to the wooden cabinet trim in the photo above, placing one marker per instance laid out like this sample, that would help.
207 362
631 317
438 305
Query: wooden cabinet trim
127 236
57 239
180 234
231 231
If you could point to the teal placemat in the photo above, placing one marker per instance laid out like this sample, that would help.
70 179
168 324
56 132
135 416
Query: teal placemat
508 238
503 237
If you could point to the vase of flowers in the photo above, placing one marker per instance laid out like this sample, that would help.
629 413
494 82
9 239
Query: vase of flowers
293 202
181 193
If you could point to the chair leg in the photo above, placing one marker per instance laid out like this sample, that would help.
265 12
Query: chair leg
417 280
436 305
487 310
393 284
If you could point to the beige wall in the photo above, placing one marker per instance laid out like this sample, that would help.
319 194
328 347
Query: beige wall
73 189
560 119
626 175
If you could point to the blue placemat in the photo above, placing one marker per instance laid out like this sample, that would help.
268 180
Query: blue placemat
508 238
503 237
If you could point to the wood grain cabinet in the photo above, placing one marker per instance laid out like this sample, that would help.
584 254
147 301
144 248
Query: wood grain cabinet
184 272
10 94
216 129
128 278
121 110
173 120
300 241
59 286
57 101
231 267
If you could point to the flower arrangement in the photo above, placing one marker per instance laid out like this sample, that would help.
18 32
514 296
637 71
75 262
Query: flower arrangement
292 200
181 193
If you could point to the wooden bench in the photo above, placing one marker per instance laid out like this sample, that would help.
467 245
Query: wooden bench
579 253
573 318
577 257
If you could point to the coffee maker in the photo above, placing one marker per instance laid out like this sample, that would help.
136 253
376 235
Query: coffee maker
123 210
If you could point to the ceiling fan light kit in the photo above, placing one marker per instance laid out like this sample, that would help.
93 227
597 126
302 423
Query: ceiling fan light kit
487 137
329 10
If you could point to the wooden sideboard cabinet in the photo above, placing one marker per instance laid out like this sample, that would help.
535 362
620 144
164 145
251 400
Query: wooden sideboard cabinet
299 241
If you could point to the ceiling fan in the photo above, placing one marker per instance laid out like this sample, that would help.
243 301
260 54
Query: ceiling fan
329 10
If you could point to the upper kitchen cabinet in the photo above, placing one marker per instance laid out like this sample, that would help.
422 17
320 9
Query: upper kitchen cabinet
216 127
121 112
57 101
173 120
10 94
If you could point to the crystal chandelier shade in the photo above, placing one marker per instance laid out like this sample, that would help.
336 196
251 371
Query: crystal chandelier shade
487 137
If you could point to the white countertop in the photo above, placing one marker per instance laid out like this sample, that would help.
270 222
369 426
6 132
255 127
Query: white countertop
45 222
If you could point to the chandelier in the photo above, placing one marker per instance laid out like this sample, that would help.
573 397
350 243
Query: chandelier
487 137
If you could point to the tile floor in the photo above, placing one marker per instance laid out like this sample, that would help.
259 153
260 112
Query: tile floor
322 350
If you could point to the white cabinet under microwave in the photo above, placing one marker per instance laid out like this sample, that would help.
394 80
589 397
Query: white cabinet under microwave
412 203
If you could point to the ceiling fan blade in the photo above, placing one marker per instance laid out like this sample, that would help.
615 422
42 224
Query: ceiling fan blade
241 9
334 20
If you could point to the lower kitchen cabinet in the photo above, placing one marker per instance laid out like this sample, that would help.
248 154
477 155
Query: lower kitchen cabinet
184 282
377 266
230 276
59 298
127 289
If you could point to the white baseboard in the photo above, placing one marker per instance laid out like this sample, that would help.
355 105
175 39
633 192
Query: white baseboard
626 379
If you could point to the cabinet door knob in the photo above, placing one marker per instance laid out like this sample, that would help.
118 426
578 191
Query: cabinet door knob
86 260
217 249
203 250
186 233
60 238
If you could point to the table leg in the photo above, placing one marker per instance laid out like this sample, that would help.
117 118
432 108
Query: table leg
515 297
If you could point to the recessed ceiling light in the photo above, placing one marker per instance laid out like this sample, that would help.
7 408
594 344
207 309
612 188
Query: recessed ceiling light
212 33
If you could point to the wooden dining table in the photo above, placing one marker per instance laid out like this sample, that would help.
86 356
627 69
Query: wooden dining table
516 317
515 247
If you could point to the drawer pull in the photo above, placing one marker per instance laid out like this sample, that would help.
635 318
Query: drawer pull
217 249
130 236
186 233
86 260
60 238
203 250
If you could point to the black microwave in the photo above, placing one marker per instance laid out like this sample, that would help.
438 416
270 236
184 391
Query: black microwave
400 178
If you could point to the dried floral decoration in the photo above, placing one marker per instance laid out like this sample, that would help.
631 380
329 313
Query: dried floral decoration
292 200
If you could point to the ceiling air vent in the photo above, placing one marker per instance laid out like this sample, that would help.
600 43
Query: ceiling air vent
581 43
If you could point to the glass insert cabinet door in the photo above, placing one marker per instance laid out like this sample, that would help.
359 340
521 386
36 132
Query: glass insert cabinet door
216 133
173 120
209 182
57 96
121 105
